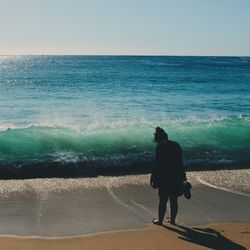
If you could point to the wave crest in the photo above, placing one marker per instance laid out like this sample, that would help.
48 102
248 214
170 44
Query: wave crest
125 141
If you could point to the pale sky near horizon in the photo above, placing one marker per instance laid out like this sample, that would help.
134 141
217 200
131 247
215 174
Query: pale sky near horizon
117 27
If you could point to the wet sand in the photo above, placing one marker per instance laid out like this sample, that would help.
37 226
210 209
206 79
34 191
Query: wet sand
72 207
212 236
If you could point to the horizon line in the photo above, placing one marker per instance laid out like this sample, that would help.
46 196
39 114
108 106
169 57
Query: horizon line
149 55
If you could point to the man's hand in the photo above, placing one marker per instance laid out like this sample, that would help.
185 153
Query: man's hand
151 182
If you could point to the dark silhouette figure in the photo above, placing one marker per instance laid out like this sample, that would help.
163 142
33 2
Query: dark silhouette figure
206 237
168 175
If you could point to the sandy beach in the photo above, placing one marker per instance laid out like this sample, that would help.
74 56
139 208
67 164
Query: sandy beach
212 236
116 213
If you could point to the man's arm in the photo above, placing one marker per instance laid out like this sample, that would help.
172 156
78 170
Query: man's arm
183 173
155 167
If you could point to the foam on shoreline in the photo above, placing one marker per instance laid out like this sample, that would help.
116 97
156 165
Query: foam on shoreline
236 180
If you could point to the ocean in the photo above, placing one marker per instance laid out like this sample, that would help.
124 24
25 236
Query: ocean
80 115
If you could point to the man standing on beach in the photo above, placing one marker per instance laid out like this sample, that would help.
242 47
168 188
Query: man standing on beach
168 175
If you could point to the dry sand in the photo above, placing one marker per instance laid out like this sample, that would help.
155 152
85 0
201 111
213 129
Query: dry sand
212 236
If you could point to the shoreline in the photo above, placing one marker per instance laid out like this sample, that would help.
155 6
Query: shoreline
215 236
92 169
116 213
68 207
226 178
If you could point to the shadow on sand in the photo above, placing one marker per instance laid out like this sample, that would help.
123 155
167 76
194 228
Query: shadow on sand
205 237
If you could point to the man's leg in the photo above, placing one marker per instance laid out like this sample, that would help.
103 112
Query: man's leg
162 207
173 207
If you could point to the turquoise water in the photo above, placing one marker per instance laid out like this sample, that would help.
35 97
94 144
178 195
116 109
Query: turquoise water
84 110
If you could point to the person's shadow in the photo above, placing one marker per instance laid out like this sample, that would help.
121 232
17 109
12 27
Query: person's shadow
206 237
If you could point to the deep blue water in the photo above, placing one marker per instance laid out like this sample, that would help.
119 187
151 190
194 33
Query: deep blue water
104 109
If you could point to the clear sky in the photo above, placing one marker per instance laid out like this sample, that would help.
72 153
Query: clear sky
151 27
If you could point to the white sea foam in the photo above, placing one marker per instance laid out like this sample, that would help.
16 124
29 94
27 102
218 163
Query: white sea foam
236 180
102 124
7 126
